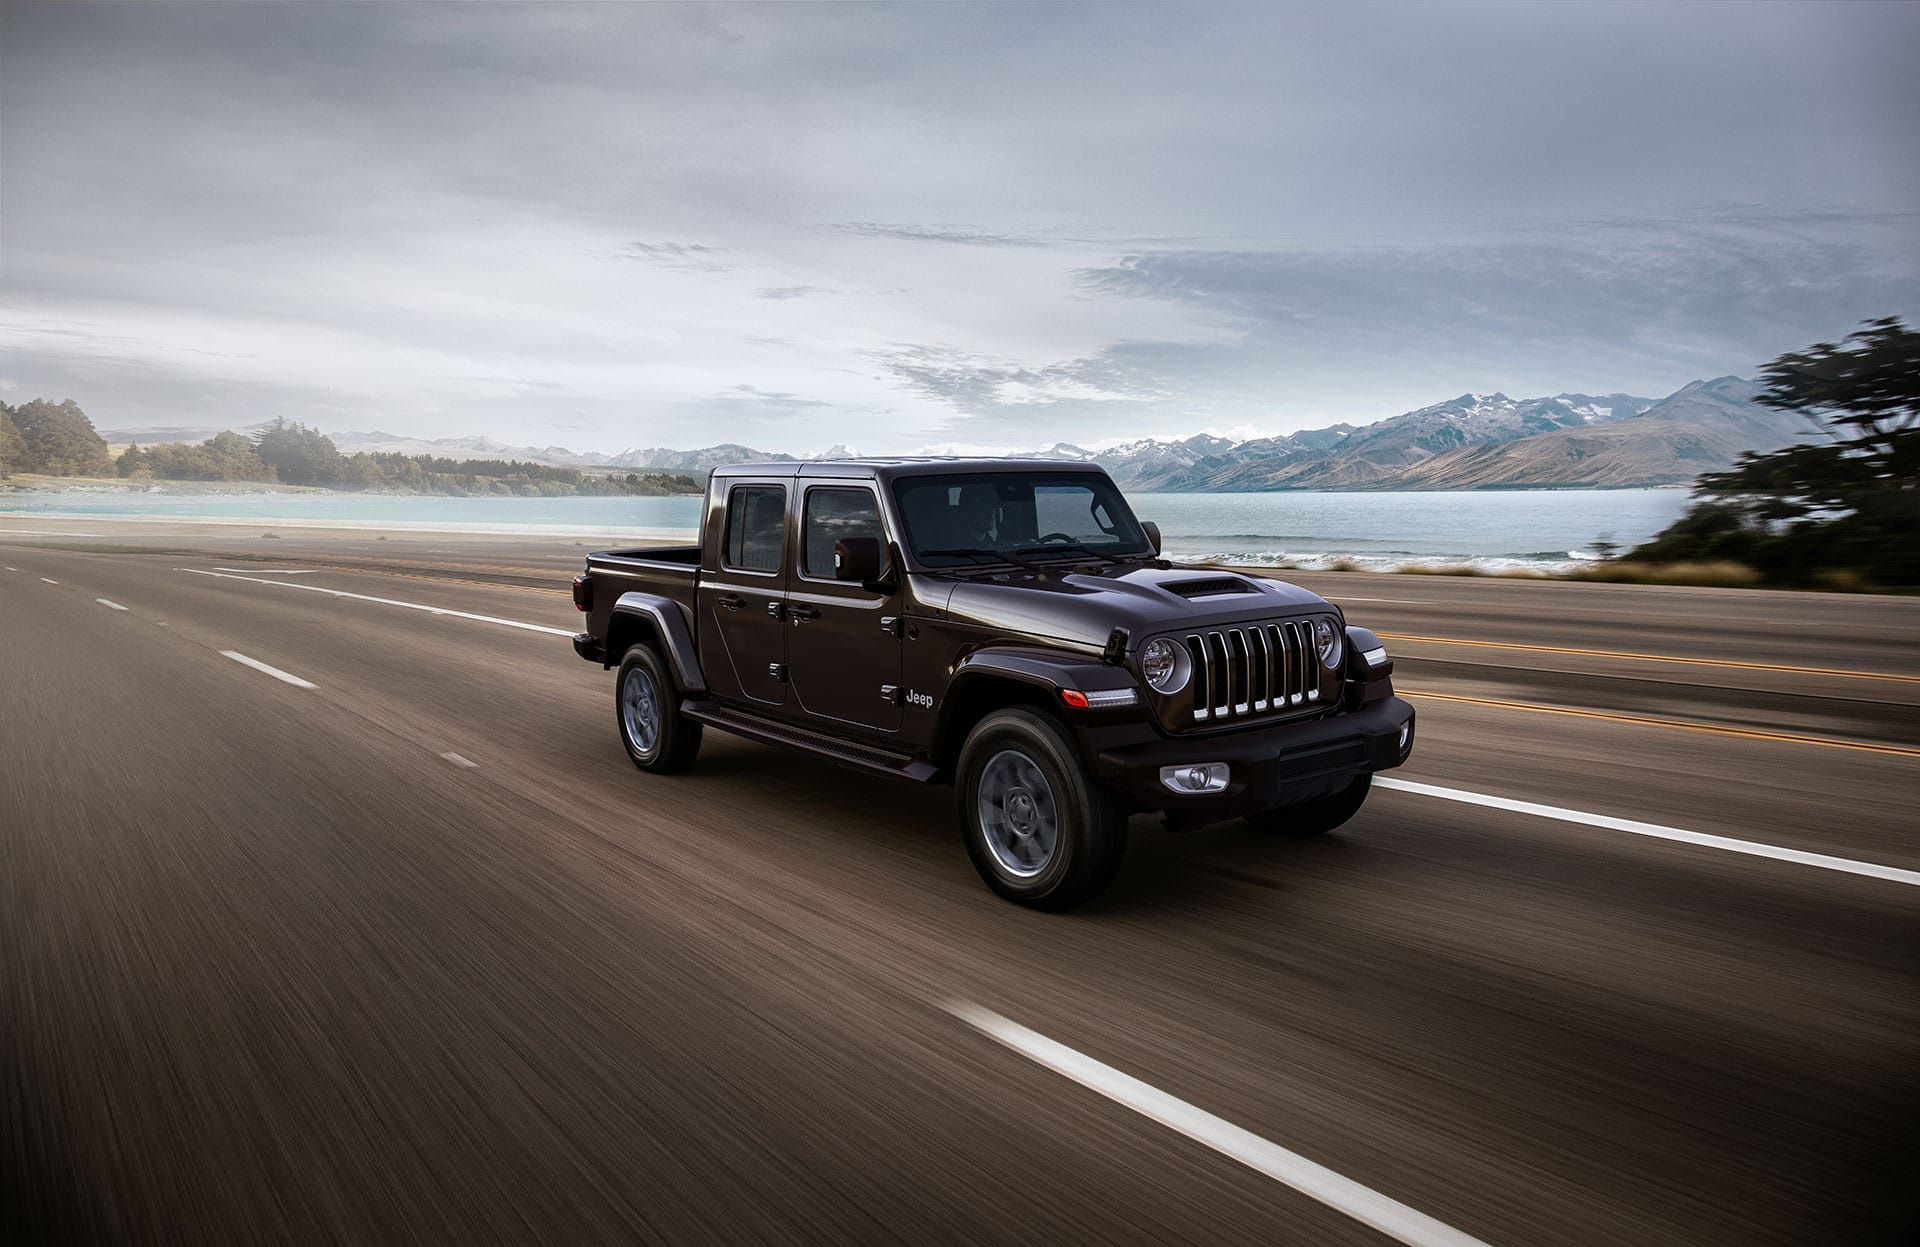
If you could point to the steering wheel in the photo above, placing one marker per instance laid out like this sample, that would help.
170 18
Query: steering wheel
1066 537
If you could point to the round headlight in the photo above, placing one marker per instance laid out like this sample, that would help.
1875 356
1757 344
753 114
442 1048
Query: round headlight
1326 640
1165 665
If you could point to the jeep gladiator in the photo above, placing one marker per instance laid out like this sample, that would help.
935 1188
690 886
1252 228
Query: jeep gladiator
1006 626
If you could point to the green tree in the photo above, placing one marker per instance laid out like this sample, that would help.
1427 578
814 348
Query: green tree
132 461
12 449
58 439
300 455
1847 504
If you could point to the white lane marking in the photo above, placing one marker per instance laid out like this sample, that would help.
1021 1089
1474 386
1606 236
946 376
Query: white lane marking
1871 870
361 597
275 672
457 760
49 581
1363 1204
112 606
13 569
271 571
1398 601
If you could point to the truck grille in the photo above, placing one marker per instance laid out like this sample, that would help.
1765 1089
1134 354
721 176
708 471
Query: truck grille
1253 669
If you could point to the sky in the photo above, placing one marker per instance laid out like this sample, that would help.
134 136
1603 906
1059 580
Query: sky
975 226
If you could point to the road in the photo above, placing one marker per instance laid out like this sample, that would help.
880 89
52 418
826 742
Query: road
405 950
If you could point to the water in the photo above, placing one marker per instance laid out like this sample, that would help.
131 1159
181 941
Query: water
1544 529
1540 529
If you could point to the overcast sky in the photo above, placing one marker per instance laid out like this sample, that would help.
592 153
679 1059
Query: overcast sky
607 225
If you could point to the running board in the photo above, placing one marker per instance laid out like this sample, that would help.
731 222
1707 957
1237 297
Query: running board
866 757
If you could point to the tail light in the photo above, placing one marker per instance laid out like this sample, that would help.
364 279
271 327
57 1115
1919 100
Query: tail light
583 592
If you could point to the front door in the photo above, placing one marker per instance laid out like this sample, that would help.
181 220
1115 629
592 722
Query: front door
743 599
843 642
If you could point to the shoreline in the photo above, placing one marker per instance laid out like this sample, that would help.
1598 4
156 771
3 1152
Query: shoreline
228 529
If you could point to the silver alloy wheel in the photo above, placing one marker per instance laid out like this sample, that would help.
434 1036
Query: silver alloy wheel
1018 816
640 710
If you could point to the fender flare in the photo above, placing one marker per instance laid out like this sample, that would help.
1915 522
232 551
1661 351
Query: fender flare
1042 669
674 625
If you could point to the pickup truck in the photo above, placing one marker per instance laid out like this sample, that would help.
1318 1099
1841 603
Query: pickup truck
1006 626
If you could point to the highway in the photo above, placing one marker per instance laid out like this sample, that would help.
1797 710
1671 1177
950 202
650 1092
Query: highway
331 910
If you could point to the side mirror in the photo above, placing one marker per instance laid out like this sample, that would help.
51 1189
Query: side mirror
1152 530
856 560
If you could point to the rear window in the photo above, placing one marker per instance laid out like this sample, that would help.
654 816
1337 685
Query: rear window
756 527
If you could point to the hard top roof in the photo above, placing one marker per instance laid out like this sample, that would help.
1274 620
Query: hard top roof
883 468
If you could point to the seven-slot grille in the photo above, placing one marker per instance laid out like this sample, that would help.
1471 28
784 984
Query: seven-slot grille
1253 669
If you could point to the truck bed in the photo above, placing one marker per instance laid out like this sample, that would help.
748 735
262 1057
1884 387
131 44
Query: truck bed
668 571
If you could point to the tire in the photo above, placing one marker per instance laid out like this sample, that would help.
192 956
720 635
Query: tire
1314 818
1036 826
646 709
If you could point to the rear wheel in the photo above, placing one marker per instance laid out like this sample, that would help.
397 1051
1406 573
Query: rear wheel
1038 829
657 736
1314 818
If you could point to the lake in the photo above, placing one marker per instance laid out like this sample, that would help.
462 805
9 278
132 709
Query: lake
1548 529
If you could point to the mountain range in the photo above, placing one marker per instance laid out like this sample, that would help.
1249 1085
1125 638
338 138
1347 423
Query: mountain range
1475 441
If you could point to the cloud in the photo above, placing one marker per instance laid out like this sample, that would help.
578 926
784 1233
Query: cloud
787 292
960 234
777 402
686 257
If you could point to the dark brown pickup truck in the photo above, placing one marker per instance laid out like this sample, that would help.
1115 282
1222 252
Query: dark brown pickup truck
1004 625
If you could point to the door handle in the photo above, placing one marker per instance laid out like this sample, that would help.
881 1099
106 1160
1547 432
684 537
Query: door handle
801 614
730 601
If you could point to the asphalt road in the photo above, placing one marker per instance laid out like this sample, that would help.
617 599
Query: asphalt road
409 952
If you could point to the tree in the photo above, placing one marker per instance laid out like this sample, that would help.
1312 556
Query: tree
58 439
12 449
1848 504
301 456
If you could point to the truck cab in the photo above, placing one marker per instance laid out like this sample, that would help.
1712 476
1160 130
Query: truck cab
1005 626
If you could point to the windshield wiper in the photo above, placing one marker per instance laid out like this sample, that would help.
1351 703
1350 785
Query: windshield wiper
982 552
1064 547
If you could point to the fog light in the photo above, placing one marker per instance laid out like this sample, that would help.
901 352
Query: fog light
1195 777
1406 737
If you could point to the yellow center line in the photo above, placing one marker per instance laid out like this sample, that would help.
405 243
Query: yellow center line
1614 653
1792 738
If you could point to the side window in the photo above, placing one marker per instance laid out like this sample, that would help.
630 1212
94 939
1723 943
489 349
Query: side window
833 514
756 526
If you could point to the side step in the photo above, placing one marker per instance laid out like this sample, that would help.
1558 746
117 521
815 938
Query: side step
866 757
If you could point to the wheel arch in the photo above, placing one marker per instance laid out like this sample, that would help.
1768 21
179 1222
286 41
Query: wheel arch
998 679
649 618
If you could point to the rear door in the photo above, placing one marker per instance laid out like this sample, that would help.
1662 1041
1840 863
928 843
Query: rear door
844 642
743 597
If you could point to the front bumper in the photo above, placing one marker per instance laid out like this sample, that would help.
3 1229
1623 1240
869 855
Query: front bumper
1282 765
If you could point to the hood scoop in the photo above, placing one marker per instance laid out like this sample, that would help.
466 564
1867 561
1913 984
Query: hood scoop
1211 586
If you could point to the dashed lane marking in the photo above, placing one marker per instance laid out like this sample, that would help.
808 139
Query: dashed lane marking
457 760
112 606
275 672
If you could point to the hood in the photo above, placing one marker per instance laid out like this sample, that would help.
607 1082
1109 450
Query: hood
1084 607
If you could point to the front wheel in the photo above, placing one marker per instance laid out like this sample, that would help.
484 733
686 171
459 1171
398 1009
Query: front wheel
1314 818
1038 829
657 736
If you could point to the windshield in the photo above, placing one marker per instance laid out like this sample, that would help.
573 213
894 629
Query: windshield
1015 517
